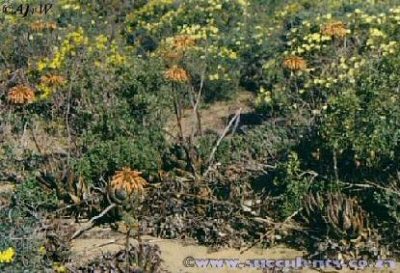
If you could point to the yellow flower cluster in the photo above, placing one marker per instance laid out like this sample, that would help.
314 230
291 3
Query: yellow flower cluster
374 32
77 37
69 4
368 18
7 256
243 3
395 10
217 76
346 69
325 82
380 28
149 9
360 16
227 53
375 36
115 58
260 35
390 48
68 48
166 19
349 68
165 12
265 96
11 19
311 42
200 32
59 268
100 46
213 50
301 40
46 91
101 42
42 250
289 10
220 51
317 38
214 5
220 74
217 5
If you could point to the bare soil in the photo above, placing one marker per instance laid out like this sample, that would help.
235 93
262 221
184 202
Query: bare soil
173 253
215 116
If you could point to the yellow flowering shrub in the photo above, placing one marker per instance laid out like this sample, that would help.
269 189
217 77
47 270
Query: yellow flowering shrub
337 49
345 53
217 26
7 256
101 42
59 268
68 48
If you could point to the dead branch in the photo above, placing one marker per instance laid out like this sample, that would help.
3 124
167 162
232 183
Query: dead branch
235 119
371 185
284 225
195 101
92 221
35 141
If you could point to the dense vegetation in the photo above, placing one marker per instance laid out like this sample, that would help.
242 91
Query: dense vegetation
88 88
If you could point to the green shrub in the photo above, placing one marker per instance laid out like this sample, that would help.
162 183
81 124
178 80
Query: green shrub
21 226
103 158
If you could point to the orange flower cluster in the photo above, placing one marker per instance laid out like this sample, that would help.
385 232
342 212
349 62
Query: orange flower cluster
21 94
40 25
179 45
128 180
183 42
335 29
295 63
176 74
52 80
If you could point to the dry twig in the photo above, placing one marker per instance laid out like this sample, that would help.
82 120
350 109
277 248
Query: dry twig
235 120
92 221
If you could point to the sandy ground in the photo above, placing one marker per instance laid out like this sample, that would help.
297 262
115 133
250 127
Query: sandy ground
175 252
6 187
215 116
